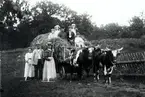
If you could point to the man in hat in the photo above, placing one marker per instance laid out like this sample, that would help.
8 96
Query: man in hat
37 57
74 29
72 33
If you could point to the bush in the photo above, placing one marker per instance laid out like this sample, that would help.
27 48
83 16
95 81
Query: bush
143 38
129 44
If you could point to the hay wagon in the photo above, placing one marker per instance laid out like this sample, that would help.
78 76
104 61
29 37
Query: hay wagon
65 66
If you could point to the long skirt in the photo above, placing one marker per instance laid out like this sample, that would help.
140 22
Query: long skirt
29 70
49 70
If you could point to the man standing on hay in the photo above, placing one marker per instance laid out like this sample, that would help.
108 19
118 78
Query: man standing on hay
72 33
74 38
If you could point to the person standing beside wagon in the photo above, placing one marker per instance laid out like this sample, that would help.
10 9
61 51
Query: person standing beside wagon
29 69
38 54
49 70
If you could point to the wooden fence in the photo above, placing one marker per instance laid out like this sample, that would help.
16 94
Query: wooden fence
130 64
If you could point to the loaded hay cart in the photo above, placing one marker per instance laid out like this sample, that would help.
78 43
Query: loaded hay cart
66 67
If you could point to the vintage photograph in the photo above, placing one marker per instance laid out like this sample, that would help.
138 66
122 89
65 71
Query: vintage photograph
72 48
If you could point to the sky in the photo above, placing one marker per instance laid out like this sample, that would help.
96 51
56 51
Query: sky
104 11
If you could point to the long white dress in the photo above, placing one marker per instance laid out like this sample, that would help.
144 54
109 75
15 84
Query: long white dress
49 70
29 68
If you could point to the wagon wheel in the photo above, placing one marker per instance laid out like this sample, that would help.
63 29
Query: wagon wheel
62 72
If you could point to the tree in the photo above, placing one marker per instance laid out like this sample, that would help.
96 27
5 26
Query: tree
126 32
45 15
83 23
136 27
11 14
23 24
86 26
113 30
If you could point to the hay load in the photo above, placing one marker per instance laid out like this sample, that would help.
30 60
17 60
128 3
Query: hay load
58 43
60 54
41 39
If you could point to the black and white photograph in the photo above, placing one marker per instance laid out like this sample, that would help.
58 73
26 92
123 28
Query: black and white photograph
72 48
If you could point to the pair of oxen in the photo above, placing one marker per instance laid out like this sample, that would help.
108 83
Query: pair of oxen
96 58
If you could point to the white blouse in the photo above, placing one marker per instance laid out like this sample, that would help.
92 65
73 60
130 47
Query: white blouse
28 58
74 31
56 33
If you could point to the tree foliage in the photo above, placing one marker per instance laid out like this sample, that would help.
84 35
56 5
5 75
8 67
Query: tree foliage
20 24
11 13
113 30
136 27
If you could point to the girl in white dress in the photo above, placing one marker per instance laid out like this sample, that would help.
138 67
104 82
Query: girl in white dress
29 68
49 70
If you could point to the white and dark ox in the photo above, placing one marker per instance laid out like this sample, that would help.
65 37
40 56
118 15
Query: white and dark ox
83 60
92 57
107 59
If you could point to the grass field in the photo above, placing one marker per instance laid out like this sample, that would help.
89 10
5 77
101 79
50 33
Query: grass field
63 88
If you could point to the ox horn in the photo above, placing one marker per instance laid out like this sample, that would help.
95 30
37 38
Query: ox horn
98 46
120 49
108 48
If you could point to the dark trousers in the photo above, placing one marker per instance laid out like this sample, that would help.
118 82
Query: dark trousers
79 71
39 69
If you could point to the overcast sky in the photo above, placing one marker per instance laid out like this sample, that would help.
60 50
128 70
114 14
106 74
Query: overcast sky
105 11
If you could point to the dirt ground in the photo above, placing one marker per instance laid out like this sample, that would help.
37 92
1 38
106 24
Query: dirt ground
17 87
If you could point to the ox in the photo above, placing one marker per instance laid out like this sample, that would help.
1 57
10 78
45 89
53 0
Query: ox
108 59
83 60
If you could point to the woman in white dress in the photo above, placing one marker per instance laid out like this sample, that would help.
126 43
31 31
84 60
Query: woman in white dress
49 70
29 68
